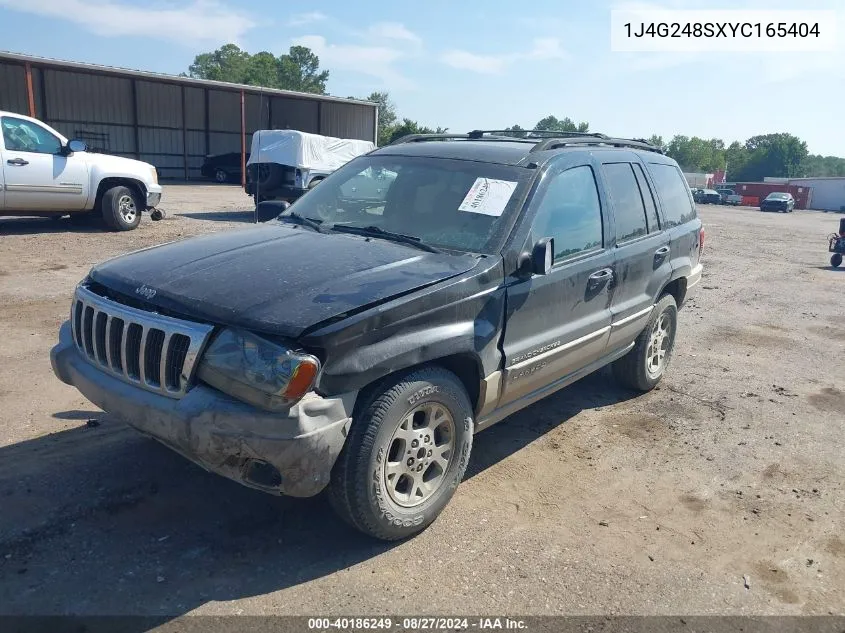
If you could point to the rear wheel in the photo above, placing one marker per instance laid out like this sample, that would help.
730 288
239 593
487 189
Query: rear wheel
405 455
836 260
644 366
121 208
221 176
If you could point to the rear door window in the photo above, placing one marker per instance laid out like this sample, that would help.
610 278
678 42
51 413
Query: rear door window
648 199
674 195
628 207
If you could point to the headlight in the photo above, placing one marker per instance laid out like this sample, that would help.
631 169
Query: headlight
259 372
154 174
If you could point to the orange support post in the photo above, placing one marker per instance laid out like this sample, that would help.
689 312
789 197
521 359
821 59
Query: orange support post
30 91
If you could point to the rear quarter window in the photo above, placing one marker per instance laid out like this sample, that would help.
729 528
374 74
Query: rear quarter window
678 207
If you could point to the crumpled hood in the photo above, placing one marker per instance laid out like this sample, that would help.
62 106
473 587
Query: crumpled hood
277 278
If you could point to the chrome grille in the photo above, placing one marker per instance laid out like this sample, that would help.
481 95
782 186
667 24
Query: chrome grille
146 349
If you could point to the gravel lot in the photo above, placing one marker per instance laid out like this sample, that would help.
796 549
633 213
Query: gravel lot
593 501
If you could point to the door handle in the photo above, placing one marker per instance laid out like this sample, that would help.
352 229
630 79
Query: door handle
17 161
599 278
663 251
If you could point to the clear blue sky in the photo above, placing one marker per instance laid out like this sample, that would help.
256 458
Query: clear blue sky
472 63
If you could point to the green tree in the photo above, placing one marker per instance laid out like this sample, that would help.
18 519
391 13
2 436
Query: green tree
515 130
822 166
736 160
407 126
696 154
778 155
386 115
552 123
298 69
227 63
656 140
261 70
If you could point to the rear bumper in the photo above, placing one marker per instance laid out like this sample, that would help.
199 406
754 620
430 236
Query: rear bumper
694 278
289 453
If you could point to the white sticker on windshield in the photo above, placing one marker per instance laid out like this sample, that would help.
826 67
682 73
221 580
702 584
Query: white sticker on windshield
488 196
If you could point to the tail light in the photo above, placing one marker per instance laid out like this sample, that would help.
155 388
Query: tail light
701 242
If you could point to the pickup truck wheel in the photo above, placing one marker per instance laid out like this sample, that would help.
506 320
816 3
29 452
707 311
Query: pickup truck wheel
406 452
121 208
644 366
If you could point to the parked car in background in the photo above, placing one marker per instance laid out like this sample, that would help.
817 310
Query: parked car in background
284 164
359 347
724 192
708 196
223 168
44 174
778 201
731 198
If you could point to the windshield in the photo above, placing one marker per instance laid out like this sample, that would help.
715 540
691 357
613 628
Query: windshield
778 196
451 204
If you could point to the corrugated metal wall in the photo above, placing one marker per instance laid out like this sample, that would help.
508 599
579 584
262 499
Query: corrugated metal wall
13 89
165 123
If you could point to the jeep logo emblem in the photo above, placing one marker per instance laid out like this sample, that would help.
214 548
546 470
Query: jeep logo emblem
147 293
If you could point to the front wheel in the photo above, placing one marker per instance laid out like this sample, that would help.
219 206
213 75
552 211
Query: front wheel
836 260
221 176
121 208
644 366
405 455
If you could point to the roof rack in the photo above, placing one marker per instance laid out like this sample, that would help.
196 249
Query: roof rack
553 139
558 143
478 134
416 138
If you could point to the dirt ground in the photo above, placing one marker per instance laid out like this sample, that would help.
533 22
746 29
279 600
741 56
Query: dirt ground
720 492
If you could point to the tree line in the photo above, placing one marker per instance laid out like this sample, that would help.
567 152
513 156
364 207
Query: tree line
778 155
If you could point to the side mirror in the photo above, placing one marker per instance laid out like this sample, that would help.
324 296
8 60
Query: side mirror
539 261
77 146
543 256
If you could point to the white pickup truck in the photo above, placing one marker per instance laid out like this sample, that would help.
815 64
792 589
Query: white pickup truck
44 174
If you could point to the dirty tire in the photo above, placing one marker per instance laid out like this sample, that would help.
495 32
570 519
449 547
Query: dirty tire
121 208
836 260
360 490
632 369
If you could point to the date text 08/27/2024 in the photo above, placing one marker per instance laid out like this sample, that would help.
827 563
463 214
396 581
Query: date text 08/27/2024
415 624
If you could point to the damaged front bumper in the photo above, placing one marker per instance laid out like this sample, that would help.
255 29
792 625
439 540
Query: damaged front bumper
288 454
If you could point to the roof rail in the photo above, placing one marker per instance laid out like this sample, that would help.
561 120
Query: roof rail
557 143
554 140
416 138
477 134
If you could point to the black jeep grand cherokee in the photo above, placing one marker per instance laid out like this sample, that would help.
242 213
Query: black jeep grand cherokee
358 341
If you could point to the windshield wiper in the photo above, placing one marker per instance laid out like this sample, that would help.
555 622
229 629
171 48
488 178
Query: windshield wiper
311 223
375 231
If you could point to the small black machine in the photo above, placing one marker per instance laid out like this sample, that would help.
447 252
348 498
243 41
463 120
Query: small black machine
837 245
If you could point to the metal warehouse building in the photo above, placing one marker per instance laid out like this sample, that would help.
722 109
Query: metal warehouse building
171 122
